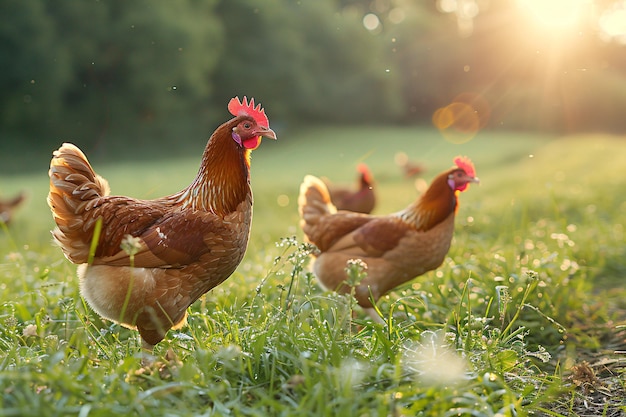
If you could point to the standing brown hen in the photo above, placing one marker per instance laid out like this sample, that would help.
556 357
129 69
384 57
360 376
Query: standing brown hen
396 248
362 199
8 206
181 246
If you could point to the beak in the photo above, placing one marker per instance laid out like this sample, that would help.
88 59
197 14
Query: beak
266 133
475 179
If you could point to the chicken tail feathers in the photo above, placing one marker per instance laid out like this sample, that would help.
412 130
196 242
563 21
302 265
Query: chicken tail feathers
73 186
313 204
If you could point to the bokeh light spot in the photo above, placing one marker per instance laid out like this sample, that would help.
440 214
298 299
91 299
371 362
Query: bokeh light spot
465 117
443 118
460 120
479 104
396 15
612 23
371 21
282 200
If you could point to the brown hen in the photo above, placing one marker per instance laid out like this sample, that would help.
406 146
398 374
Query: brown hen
8 207
361 200
395 248
176 248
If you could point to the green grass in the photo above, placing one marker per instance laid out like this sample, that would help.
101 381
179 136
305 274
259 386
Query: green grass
532 286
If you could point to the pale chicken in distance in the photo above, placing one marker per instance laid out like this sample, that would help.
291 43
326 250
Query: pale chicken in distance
396 248
409 168
179 246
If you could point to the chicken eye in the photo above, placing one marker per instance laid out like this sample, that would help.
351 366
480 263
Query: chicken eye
247 125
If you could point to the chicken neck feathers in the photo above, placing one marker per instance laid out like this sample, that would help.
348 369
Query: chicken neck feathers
434 206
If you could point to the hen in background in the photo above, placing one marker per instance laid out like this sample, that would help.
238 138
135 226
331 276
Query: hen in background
396 248
361 199
151 259
8 207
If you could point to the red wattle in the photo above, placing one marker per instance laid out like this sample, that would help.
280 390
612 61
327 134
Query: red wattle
252 143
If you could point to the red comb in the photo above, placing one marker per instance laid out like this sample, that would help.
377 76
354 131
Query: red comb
364 171
237 108
362 168
466 165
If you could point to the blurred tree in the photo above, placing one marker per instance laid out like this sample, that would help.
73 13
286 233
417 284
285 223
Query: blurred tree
137 66
34 67
104 71
89 70
305 60
428 60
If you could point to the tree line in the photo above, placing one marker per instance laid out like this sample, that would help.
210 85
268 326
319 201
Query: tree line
150 70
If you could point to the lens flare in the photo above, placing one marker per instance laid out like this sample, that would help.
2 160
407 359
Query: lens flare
613 23
460 120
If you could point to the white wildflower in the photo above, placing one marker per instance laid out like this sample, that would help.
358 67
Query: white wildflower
30 330
131 245
350 373
433 362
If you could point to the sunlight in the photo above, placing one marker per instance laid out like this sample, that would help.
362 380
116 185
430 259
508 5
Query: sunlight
554 14
613 23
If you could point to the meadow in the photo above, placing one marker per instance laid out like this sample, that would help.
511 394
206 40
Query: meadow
525 317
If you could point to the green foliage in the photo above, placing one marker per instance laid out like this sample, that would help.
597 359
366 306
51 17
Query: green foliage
316 65
32 88
98 68
109 72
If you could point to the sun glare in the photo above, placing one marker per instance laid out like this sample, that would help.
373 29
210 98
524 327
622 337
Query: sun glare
554 14
613 23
